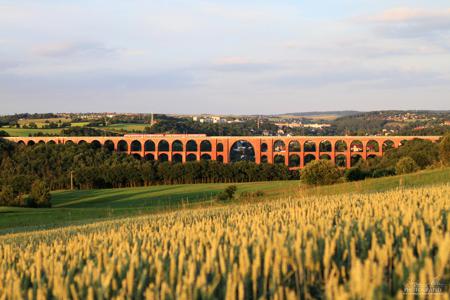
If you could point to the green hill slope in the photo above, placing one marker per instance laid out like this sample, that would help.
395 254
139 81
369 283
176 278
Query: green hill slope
71 207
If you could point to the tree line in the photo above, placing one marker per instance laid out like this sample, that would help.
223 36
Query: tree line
53 166
414 155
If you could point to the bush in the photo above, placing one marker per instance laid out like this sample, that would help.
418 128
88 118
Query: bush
228 193
320 172
355 174
444 150
7 196
406 165
40 194
383 172
425 153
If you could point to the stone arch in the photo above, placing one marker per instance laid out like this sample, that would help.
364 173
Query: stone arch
325 157
279 159
149 157
294 146
205 157
122 146
372 146
264 147
96 144
68 142
309 158
191 146
388 144
403 142
31 143
325 146
279 146
177 146
109 145
137 156
219 158
149 146
242 150
42 142
341 161
163 157
309 146
355 159
220 147
205 146
191 157
294 160
371 156
163 145
340 146
264 159
51 142
21 143
177 158
82 142
356 146
136 146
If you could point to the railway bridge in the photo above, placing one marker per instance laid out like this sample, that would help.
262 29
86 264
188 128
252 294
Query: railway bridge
293 151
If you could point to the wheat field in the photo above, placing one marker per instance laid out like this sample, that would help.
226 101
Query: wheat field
354 246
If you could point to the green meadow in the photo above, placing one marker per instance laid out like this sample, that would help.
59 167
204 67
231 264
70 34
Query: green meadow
83 206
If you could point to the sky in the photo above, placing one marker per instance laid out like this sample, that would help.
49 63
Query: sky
229 57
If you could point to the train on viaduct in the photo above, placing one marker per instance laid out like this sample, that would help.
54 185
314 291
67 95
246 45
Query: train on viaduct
293 151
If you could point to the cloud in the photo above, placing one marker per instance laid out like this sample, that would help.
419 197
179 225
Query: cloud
66 49
7 65
241 64
411 22
388 78
104 80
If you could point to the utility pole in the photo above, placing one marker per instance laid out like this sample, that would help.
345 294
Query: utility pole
71 180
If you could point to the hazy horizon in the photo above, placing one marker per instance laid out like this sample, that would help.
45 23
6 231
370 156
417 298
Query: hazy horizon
193 57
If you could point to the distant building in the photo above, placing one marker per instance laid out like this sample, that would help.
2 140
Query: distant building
316 126
290 125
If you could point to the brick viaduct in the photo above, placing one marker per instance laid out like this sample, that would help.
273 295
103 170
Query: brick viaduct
293 151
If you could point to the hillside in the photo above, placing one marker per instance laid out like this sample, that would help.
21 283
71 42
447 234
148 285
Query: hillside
81 206
333 247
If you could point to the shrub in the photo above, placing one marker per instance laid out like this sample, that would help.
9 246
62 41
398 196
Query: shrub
425 153
355 174
228 193
40 194
406 165
444 150
7 196
320 172
383 172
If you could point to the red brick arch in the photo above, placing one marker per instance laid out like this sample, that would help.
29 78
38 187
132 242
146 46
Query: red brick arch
227 143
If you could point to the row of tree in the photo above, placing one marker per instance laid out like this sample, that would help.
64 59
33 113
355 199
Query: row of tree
60 166
413 156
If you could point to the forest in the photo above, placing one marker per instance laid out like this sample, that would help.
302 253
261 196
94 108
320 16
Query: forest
22 166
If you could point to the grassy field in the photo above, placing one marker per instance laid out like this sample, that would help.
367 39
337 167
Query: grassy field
126 127
114 128
349 246
75 207
42 122
28 132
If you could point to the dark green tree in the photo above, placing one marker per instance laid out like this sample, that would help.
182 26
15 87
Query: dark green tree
320 172
444 150
40 194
